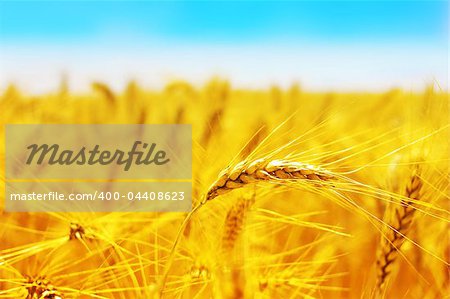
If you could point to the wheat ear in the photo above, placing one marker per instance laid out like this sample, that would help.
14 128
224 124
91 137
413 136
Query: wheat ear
41 288
105 91
234 222
395 235
246 173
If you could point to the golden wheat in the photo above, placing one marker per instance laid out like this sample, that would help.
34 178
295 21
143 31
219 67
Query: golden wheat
234 222
266 170
338 149
41 288
395 236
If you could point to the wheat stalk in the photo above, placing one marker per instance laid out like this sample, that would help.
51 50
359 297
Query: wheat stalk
395 235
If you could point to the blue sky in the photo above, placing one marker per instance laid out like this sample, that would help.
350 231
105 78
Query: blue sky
385 43
226 21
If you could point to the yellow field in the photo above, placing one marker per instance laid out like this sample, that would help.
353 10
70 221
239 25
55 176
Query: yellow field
348 198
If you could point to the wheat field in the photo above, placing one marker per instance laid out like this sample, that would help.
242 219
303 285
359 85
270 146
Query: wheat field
295 195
